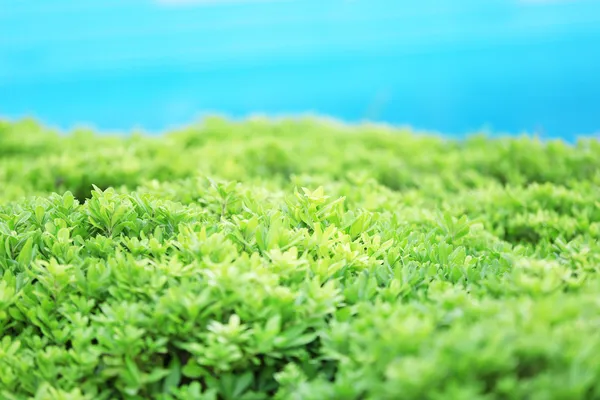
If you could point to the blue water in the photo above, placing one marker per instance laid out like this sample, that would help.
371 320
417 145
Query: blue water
449 66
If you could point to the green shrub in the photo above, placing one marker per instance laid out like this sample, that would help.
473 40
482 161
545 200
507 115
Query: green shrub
297 259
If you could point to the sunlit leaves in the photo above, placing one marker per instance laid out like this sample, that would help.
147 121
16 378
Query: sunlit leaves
297 260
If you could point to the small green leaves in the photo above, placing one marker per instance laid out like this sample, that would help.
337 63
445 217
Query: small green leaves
297 260
110 213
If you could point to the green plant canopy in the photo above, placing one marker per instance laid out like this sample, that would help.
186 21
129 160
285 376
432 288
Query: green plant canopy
297 259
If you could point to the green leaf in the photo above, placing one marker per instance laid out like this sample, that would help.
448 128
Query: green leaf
193 370
26 253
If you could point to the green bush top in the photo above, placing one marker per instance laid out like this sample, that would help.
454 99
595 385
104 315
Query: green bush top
297 259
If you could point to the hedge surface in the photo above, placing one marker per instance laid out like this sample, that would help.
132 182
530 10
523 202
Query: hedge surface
297 259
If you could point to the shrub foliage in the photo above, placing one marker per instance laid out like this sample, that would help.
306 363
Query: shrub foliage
297 259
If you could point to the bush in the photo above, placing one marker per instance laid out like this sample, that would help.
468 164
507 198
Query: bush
297 259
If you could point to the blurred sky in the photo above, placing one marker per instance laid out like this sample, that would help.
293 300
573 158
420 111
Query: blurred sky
451 66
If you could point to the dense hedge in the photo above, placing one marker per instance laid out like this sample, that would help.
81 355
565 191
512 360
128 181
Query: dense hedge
297 259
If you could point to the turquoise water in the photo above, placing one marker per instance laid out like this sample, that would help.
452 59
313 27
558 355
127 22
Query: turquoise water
455 67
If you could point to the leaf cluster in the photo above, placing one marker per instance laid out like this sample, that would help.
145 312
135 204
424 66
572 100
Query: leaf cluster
297 259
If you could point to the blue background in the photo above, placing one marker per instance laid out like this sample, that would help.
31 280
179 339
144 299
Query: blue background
449 66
